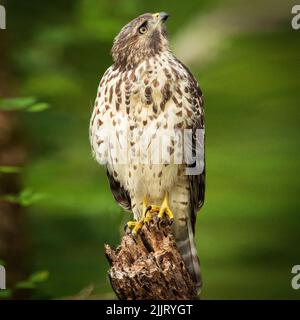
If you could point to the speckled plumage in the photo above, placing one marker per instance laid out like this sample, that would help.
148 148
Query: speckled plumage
147 90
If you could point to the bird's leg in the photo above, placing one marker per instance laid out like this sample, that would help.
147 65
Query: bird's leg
147 216
165 209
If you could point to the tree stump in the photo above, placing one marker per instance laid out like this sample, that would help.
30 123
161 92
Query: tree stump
149 267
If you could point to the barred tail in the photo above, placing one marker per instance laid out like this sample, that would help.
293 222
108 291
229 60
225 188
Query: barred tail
186 245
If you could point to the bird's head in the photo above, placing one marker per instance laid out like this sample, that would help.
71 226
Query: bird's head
141 39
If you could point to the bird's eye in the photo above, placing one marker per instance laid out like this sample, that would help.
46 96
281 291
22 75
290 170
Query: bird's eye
142 30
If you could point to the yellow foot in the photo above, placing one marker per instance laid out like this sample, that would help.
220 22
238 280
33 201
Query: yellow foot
147 217
165 209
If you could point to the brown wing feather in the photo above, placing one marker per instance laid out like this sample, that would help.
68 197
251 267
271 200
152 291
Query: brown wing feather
197 182
120 194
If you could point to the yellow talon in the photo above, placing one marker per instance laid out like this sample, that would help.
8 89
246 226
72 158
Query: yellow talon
149 212
165 209
147 217
131 224
137 227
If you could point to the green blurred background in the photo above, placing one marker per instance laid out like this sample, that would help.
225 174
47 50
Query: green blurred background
247 60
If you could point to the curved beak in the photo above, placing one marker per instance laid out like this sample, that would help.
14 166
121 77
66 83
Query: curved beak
163 16
160 17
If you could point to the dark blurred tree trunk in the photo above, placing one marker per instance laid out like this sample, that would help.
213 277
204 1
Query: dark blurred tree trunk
12 153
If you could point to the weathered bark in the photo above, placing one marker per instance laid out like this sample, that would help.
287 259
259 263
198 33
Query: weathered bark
149 266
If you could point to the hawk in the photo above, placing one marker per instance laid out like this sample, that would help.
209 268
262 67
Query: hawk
147 91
